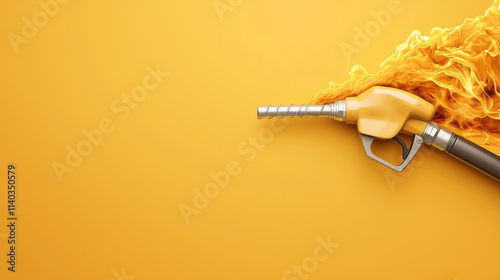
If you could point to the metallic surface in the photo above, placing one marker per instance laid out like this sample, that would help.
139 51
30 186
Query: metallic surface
462 149
439 137
407 156
336 110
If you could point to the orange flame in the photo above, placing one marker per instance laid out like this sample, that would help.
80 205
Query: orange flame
456 69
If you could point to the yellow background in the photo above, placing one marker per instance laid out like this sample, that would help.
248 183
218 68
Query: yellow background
118 212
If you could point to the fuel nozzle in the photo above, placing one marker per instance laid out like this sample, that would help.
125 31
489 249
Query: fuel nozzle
382 113
379 112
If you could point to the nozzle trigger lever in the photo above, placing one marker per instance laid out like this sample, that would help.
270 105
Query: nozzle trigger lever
408 154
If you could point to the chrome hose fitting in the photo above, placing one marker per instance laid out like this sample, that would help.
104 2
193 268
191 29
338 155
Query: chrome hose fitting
439 137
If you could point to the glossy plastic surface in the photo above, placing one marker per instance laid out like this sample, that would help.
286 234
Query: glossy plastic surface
384 112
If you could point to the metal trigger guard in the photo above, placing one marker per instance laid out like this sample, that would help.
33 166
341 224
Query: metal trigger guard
408 154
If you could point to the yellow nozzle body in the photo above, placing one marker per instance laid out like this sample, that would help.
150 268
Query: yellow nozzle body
384 112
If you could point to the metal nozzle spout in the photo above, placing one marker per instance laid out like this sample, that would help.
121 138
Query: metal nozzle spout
334 110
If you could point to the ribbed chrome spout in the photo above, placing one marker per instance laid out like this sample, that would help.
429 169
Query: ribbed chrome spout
334 110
